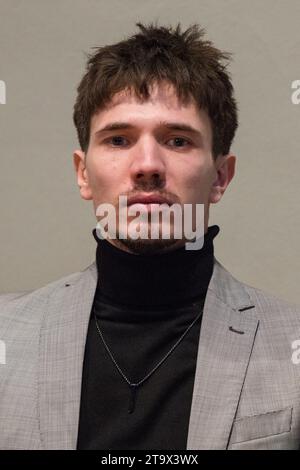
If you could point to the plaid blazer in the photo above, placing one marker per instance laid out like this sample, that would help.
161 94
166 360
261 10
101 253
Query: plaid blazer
247 384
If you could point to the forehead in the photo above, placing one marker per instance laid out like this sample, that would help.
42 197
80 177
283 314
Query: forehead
162 104
162 93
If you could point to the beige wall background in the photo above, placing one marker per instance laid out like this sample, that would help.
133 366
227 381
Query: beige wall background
46 228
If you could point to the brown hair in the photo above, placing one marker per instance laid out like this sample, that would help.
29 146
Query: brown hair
191 64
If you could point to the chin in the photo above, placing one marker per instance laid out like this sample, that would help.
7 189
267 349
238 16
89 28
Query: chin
148 246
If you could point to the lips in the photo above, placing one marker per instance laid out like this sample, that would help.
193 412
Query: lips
148 199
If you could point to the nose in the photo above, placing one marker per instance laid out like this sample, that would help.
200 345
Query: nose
148 164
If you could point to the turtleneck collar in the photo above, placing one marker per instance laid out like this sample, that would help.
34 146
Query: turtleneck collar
172 278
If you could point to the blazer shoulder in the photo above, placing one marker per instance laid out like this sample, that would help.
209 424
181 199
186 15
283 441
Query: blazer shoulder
269 308
265 300
273 311
18 303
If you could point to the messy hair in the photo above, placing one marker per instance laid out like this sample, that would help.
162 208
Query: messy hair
193 65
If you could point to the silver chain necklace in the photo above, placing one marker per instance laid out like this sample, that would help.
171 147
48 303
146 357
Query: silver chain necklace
133 386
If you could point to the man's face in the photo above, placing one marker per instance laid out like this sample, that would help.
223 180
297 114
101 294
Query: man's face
159 146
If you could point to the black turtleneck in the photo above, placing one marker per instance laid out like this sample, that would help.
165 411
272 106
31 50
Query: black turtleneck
143 304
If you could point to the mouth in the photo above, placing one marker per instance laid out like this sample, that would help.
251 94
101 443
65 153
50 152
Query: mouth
148 199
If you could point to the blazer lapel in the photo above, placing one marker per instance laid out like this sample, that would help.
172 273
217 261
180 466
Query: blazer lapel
63 339
227 334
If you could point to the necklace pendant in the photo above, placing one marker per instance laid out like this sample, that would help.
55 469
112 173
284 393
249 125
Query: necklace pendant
132 399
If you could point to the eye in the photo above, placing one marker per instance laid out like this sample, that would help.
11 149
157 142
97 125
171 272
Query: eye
117 141
179 142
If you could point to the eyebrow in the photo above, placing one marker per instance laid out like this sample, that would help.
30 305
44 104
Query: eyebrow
176 126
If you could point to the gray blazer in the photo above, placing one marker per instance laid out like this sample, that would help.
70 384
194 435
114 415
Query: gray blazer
247 387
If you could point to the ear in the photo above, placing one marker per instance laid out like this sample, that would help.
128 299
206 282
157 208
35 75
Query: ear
79 158
225 168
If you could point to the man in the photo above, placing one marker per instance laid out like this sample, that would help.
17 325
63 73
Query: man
153 346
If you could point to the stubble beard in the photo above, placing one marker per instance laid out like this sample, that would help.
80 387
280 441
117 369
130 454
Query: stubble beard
148 246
